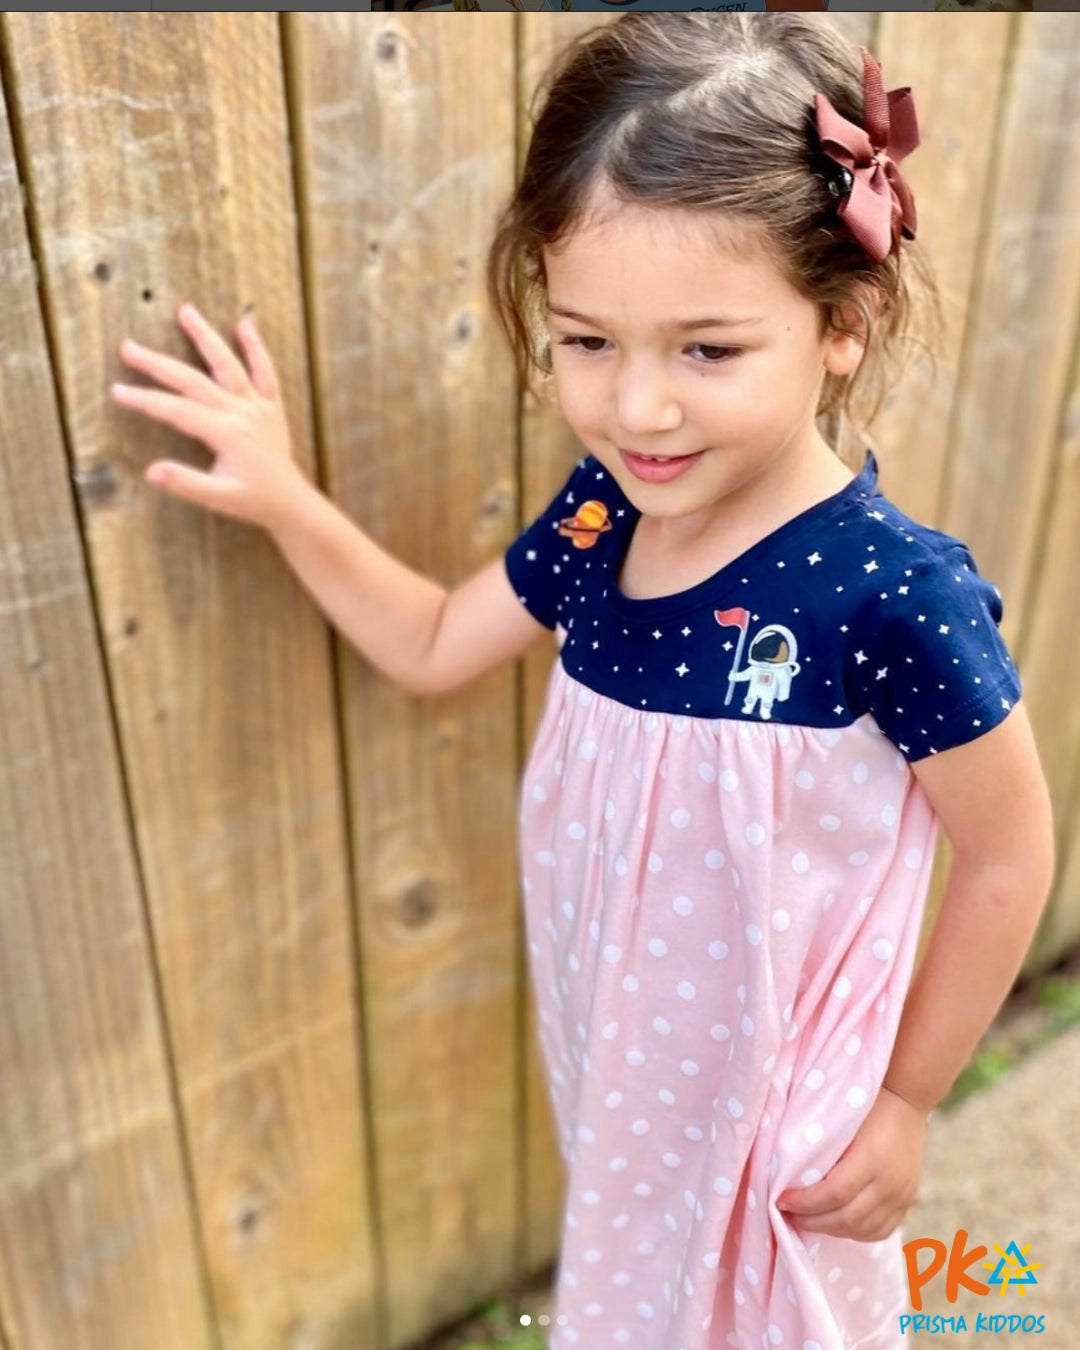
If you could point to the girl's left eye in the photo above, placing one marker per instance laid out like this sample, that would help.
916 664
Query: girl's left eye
714 356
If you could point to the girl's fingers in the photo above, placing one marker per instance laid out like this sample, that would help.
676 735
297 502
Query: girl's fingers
225 366
202 489
191 419
175 374
263 375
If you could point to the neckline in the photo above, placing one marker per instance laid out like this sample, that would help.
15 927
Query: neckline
862 484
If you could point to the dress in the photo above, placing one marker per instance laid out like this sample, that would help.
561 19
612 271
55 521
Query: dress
725 858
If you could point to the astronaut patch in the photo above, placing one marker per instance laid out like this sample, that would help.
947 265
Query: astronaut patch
771 662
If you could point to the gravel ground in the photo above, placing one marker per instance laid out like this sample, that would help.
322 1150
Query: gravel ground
1004 1166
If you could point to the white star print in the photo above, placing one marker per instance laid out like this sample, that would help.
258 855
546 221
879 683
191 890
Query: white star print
860 657
871 566
943 628
813 558
901 590
883 672
657 633
531 554
838 710
686 632
682 668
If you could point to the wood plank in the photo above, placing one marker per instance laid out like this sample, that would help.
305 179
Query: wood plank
1019 352
1007 474
951 168
94 1205
157 149
1050 643
548 452
948 172
404 128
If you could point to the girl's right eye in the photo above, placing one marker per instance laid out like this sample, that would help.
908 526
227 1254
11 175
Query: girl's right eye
579 342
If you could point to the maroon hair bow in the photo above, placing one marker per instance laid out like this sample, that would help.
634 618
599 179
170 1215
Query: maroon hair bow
880 205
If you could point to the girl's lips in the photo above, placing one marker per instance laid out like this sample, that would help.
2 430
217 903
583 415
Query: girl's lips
653 471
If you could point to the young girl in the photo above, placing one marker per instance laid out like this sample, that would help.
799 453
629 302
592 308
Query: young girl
772 684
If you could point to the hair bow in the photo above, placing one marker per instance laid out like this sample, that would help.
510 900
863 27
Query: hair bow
879 204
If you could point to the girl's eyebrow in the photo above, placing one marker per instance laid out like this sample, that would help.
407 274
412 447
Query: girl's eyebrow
685 325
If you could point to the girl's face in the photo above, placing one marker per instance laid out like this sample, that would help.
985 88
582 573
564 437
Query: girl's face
740 397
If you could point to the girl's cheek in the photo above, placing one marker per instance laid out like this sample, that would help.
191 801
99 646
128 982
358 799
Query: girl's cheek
576 395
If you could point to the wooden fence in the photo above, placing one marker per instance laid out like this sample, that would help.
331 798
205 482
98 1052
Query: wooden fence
269 1076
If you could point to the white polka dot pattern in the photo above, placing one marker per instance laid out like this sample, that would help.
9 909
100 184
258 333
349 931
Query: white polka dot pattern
720 943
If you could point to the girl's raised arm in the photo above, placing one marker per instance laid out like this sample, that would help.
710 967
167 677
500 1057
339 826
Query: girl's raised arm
424 638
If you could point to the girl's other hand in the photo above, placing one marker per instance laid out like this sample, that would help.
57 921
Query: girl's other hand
873 1183
236 411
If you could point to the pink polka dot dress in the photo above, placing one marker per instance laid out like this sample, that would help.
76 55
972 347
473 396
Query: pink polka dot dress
725 857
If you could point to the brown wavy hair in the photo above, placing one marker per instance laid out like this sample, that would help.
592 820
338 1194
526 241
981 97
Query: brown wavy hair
710 113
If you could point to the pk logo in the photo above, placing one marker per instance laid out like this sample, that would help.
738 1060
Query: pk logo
1011 1268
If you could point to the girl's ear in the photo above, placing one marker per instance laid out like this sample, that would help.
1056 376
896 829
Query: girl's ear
842 351
842 354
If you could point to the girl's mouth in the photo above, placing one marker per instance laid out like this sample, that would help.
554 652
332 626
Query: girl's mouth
656 469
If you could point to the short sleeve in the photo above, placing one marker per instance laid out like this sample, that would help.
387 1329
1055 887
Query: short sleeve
537 559
933 668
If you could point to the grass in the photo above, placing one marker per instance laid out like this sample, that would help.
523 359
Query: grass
502 1331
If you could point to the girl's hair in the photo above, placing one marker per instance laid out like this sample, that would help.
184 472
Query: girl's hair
708 113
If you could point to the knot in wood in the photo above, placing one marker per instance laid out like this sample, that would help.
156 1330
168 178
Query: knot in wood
97 482
419 902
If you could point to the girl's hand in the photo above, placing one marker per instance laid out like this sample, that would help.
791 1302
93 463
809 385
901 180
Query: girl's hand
237 415
874 1181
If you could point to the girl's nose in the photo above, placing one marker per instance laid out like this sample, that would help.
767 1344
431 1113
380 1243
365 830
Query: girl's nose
644 401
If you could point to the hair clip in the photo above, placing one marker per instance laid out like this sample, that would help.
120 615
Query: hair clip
837 179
